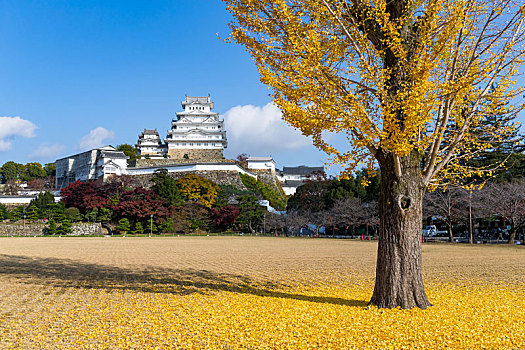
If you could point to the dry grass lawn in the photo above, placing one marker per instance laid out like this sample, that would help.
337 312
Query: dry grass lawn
249 292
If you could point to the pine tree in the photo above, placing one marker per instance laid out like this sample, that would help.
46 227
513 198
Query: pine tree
502 154
139 229
104 215
166 187
17 213
52 228
44 202
3 212
123 225
56 211
32 212
92 215
166 226
65 227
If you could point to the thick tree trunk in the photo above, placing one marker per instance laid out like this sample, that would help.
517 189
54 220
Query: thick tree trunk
399 280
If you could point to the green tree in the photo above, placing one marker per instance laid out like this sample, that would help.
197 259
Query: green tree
167 226
73 214
17 213
250 213
166 187
503 155
129 151
264 191
33 171
3 212
12 171
104 215
51 169
32 212
92 215
123 225
43 202
228 195
56 211
65 227
139 229
52 227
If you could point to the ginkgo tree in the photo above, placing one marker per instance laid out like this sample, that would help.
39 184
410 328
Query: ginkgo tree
407 82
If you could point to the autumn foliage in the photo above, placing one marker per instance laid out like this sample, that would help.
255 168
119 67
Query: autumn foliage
409 83
199 189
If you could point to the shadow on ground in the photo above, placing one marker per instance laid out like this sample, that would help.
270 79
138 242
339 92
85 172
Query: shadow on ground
74 274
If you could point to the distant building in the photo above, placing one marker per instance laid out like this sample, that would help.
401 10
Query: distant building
293 177
99 163
150 144
261 163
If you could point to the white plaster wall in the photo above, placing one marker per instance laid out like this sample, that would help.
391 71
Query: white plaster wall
191 167
261 165
21 200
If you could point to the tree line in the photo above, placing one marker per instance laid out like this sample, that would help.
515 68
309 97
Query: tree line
35 175
188 204
336 206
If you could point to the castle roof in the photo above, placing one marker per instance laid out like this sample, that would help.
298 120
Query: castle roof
113 154
205 100
260 159
149 132
302 170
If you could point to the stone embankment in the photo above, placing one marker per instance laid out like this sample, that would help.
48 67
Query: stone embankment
39 229
219 177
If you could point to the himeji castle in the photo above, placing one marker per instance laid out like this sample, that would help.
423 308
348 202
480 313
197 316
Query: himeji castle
196 134
194 144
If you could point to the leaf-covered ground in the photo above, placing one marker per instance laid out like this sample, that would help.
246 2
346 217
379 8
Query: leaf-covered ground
250 292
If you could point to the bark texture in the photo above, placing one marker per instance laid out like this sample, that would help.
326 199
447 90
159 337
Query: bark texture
399 280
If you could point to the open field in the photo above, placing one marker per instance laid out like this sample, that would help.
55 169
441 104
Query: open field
249 292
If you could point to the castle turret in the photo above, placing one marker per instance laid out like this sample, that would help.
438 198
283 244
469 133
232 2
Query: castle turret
149 144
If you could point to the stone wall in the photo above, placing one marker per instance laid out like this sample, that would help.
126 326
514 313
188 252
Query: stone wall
219 177
196 155
145 163
37 229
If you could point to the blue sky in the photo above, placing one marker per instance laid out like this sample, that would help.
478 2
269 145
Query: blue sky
82 73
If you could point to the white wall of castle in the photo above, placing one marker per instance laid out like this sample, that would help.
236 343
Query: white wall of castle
191 167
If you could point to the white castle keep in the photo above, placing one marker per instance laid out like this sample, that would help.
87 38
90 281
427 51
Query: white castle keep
196 134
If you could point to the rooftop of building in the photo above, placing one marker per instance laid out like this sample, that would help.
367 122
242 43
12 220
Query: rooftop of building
113 154
260 159
197 112
205 100
106 151
302 170
149 132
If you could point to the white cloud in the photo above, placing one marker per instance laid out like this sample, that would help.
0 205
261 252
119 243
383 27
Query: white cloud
48 151
259 131
95 138
11 127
